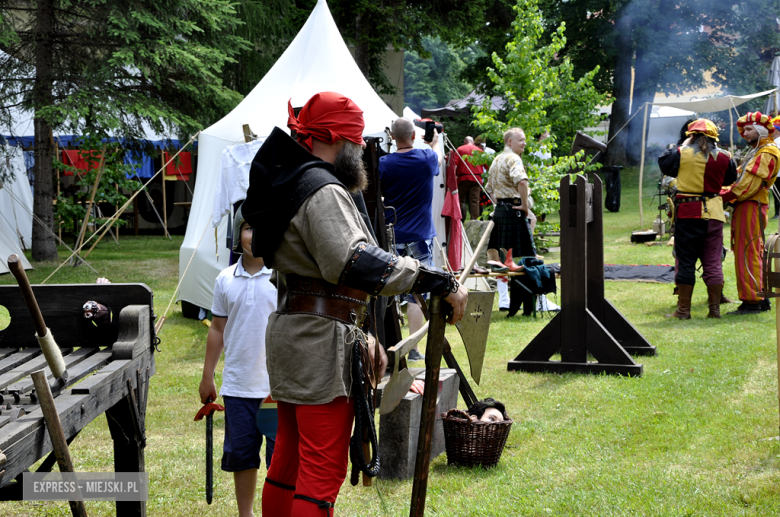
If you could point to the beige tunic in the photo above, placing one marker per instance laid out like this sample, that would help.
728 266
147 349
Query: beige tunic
307 357
506 172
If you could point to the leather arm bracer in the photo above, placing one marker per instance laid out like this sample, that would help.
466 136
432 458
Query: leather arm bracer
368 269
435 281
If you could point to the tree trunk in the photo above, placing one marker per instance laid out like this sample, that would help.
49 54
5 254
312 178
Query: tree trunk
361 44
645 81
43 245
621 92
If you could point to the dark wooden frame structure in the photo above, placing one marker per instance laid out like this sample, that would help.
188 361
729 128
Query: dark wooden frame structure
587 323
114 363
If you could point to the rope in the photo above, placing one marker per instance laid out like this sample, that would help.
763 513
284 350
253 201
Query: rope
46 227
162 319
122 209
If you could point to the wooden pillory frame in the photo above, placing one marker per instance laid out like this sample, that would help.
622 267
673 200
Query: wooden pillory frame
114 362
587 323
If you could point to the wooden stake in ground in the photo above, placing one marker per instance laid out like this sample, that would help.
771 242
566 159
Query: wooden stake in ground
642 167
58 443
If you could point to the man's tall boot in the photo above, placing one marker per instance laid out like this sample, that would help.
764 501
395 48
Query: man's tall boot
685 293
714 293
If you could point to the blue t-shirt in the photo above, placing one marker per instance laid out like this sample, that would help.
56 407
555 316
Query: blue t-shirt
407 184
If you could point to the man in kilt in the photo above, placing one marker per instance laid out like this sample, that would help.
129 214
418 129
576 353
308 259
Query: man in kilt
508 184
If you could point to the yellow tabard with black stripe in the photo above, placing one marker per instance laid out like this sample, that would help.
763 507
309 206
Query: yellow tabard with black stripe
690 181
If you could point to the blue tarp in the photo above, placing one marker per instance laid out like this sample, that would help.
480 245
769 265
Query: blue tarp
144 163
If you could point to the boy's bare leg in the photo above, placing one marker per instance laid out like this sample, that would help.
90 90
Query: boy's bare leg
245 481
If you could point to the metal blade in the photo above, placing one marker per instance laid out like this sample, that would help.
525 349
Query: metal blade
209 457
395 390
474 329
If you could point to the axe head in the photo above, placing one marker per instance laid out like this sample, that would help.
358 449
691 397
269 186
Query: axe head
474 329
395 390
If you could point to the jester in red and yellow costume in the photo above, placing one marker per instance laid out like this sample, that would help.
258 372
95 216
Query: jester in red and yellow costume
750 196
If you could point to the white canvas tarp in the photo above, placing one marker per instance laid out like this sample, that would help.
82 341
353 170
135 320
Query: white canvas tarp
714 104
317 60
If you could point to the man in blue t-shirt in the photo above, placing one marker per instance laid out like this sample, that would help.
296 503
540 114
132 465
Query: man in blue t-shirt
407 185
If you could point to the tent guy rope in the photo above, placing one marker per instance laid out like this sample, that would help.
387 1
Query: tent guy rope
118 212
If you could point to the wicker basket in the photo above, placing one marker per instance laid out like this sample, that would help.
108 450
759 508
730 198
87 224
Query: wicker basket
473 443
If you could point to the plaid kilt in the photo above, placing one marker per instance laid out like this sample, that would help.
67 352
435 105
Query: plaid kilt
512 231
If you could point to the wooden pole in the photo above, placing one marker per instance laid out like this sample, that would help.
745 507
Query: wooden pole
731 129
91 201
777 321
58 443
642 168
433 355
165 204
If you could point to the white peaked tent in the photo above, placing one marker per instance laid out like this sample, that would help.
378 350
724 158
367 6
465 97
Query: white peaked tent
15 219
317 60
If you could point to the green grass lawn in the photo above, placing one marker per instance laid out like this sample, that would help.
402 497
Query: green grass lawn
692 436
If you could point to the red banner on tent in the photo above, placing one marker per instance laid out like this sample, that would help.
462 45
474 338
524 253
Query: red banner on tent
180 167
83 160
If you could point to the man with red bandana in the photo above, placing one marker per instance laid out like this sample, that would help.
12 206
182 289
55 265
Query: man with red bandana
309 230
701 169
750 196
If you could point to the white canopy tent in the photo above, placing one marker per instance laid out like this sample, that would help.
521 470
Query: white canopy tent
317 60
726 102
15 218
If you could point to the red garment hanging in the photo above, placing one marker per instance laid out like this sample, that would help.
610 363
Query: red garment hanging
451 211
84 160
180 167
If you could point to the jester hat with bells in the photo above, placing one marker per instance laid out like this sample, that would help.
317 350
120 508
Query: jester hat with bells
762 123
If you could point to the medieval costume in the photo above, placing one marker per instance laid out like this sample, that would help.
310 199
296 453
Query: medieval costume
512 229
750 196
308 229
698 235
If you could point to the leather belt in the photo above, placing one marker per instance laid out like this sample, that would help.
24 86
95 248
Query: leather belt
510 201
318 297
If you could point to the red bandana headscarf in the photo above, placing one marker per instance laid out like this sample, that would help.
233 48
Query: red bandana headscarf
329 117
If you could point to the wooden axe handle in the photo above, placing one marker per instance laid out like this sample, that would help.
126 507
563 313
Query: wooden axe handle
15 265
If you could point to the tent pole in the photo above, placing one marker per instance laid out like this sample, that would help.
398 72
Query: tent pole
642 167
731 130
165 207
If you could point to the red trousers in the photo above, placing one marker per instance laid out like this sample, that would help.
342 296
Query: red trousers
311 455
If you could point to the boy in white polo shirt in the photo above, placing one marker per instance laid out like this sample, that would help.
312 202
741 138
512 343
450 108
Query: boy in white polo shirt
243 299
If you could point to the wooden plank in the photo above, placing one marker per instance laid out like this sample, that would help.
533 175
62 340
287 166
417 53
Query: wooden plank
71 360
595 258
5 352
25 440
588 368
14 360
573 274
546 343
61 306
603 346
24 370
626 334
98 381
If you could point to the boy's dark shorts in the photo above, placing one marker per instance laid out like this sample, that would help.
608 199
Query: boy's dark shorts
241 450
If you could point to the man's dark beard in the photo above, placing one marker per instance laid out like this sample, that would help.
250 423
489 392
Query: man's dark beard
350 169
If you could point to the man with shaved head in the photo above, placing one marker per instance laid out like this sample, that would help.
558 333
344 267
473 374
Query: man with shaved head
407 184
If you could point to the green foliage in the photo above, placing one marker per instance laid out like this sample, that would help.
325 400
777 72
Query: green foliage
541 94
120 66
71 203
431 80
